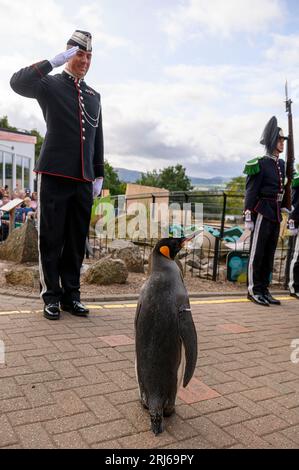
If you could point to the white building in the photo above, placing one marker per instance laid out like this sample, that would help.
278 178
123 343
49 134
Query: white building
17 151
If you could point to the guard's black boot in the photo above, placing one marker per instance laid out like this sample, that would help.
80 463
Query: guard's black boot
52 311
295 294
271 299
258 299
75 308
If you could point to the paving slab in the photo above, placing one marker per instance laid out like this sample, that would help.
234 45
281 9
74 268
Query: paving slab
72 384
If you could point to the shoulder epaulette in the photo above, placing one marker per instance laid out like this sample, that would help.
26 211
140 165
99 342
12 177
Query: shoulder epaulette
295 181
252 167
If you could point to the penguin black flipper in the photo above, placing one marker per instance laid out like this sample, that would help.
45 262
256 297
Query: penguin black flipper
189 337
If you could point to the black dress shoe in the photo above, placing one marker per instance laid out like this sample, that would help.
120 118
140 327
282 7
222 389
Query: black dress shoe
295 294
75 308
52 311
271 299
258 299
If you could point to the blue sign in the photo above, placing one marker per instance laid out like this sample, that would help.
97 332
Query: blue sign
237 262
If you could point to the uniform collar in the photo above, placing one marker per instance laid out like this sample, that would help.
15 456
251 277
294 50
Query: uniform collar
67 74
273 157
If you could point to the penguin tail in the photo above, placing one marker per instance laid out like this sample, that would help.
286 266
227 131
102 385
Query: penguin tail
157 422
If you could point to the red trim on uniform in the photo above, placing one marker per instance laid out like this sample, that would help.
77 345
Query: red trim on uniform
255 208
36 68
279 178
81 132
257 212
280 188
63 176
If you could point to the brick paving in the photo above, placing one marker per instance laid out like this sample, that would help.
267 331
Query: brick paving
71 383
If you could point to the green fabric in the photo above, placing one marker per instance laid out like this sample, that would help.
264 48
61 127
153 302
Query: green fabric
94 210
295 182
176 231
179 231
252 167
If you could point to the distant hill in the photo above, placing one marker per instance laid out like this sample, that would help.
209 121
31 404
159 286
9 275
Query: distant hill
130 176
210 181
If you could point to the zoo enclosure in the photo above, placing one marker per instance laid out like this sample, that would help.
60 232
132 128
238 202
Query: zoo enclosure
221 212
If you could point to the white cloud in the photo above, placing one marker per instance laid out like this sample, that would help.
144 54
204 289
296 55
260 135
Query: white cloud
91 18
284 50
208 118
33 25
43 27
220 18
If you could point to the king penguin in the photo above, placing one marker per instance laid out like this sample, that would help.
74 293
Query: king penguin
165 335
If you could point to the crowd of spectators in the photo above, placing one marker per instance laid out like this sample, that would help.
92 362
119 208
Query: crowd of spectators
27 208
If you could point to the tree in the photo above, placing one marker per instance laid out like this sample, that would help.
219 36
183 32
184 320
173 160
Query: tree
39 138
5 124
236 185
174 178
150 178
235 190
171 178
112 182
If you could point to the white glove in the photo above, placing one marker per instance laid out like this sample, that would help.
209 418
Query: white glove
249 226
287 211
97 186
292 229
63 57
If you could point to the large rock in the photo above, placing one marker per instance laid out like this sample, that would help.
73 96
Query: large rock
24 276
193 262
21 244
129 253
107 271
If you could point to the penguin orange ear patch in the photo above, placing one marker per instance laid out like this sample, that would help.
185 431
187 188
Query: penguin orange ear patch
165 251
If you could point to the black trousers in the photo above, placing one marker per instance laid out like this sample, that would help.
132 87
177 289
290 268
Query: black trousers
294 268
63 223
261 259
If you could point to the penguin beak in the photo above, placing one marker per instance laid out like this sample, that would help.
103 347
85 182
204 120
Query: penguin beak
187 239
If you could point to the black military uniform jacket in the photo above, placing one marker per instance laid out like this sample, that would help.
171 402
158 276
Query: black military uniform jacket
73 148
264 190
295 201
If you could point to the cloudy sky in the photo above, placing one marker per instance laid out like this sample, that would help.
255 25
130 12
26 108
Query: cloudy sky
182 81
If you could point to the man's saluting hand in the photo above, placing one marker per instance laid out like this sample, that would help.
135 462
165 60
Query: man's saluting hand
63 57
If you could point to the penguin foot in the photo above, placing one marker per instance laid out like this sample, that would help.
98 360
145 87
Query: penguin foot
168 411
157 423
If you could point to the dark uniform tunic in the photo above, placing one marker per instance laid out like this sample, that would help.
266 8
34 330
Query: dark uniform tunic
72 147
264 192
294 265
71 158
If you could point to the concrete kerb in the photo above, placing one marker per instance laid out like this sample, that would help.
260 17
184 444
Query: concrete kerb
128 297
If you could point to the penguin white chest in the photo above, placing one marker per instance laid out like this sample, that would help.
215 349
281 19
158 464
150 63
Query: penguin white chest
182 367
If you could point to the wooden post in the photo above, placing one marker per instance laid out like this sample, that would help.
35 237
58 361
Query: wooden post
12 220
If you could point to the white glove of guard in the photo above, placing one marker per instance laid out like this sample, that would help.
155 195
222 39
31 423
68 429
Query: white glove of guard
249 226
97 186
294 232
287 211
63 57
291 226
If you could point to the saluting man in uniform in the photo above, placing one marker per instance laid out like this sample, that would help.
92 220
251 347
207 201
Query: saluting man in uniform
293 225
70 169
264 193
